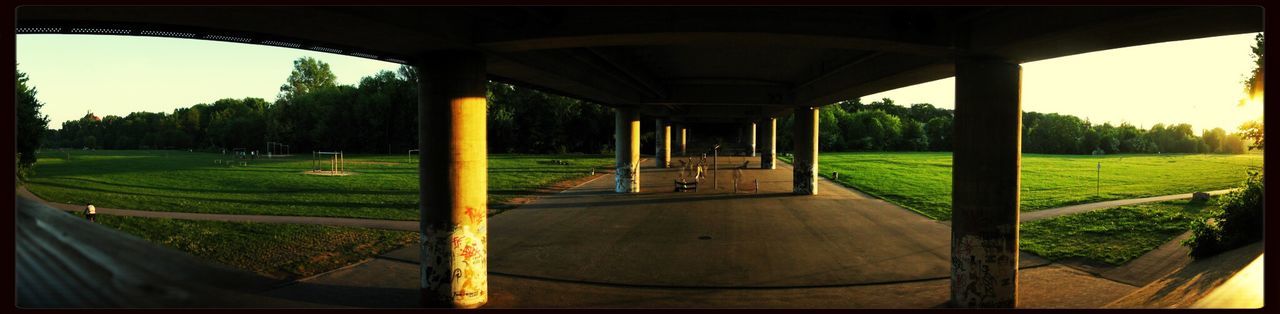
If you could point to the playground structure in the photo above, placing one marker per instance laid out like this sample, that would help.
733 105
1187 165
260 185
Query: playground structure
337 164
278 149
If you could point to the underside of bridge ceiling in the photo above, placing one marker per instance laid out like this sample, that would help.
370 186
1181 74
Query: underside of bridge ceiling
694 63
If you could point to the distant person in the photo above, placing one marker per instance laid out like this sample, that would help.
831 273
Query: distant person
91 213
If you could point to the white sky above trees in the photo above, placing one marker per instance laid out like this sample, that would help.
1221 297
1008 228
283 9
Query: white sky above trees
1193 81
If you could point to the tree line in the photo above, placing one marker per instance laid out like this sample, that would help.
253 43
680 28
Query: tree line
885 126
312 112
379 115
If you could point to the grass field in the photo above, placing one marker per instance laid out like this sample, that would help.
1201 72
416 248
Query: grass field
1114 235
383 187
922 181
279 251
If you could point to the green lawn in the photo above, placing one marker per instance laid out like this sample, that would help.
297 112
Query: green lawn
280 251
1114 235
921 181
384 187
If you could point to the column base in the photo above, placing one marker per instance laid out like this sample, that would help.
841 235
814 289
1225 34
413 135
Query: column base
984 272
626 179
767 161
804 178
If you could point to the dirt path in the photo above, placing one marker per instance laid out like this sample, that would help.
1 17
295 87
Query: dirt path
1067 210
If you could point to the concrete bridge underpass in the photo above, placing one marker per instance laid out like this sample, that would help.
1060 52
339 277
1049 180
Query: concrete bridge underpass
687 67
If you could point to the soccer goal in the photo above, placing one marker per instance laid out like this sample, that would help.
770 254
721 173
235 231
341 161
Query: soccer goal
335 160
412 151
277 149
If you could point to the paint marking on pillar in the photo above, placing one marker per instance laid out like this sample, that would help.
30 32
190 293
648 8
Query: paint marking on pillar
983 272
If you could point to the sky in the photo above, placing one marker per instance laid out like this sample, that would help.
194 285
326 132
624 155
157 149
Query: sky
1193 81
117 75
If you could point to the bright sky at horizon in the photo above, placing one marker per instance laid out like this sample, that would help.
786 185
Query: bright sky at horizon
1193 81
75 74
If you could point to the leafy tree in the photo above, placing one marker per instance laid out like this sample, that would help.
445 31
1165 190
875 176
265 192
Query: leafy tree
308 75
1233 144
30 124
1254 84
829 135
1213 139
874 130
1055 134
1108 138
914 137
1090 141
1253 130
850 106
940 130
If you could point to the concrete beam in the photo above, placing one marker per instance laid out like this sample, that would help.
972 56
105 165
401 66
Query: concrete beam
1022 35
718 38
453 180
805 161
565 72
888 72
985 184
727 94
627 151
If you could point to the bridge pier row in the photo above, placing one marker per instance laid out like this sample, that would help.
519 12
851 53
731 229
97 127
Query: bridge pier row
985 181
769 141
453 180
753 139
662 134
804 178
627 150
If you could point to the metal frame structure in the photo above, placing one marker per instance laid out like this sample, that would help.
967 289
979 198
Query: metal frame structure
337 163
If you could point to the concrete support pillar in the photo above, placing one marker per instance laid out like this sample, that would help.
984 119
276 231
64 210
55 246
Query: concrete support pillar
769 139
985 181
805 164
662 135
753 139
627 149
683 133
453 180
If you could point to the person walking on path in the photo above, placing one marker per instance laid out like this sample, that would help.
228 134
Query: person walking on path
90 213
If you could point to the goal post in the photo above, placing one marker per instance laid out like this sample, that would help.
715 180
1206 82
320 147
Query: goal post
337 162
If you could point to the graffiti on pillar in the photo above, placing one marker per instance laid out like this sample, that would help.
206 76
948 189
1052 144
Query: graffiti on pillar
766 161
626 178
455 264
635 178
983 272
436 266
475 216
470 265
803 177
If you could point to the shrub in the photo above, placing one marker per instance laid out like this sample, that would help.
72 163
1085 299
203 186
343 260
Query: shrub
22 171
1237 223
